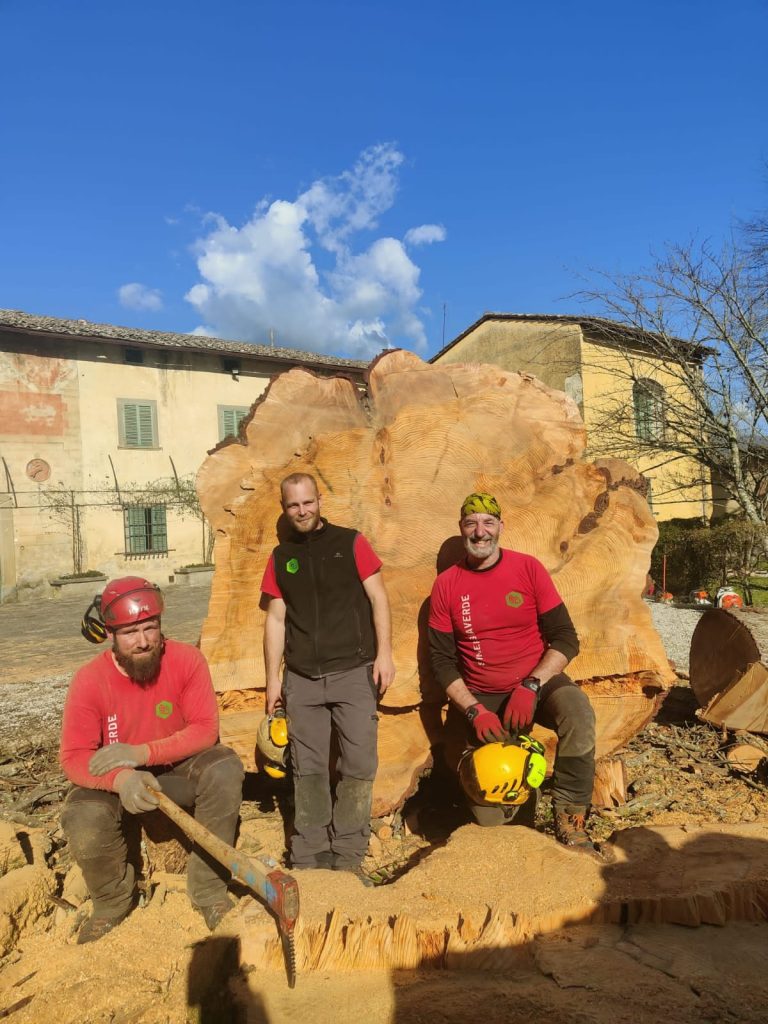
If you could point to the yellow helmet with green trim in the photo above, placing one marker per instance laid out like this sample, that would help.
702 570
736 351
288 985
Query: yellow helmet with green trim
272 744
504 772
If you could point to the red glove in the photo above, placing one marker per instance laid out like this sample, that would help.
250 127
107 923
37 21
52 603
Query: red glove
521 706
486 725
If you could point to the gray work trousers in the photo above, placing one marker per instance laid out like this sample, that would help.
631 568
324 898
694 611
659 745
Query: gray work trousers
565 709
92 819
342 704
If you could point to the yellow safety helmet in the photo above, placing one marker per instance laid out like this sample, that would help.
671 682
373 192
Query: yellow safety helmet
504 772
272 743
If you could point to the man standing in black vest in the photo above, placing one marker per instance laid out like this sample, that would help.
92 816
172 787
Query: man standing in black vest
328 618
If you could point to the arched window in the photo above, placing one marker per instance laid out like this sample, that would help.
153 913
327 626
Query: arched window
648 399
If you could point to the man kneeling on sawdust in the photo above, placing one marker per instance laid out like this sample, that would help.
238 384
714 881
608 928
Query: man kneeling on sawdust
149 702
500 637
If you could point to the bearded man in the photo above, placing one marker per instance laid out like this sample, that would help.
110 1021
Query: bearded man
500 638
148 703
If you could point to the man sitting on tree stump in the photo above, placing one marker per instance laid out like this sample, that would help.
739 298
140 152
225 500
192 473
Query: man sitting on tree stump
328 616
500 637
147 703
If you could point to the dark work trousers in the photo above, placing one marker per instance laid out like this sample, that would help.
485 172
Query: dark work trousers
565 709
211 782
343 703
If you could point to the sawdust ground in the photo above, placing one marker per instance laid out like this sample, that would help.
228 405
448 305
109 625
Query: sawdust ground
163 967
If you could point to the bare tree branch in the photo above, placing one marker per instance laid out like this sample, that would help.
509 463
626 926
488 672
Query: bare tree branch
704 315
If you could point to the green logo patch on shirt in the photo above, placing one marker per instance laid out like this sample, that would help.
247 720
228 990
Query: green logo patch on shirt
292 566
514 599
164 709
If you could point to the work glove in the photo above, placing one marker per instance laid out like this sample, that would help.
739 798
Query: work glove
117 755
520 708
486 725
137 791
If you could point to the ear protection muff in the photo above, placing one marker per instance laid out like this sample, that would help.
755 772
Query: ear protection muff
504 772
93 628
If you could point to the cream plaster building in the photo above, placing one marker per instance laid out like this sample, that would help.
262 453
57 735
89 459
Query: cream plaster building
101 431
623 390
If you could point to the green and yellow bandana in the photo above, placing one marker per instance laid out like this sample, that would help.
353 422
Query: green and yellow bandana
481 503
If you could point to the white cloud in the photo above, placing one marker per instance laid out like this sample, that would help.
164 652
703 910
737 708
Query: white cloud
293 269
426 234
139 296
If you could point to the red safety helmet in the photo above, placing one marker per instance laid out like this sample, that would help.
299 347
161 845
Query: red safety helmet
122 602
130 599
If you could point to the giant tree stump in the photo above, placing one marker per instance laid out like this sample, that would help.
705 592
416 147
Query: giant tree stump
395 462
729 669
523 884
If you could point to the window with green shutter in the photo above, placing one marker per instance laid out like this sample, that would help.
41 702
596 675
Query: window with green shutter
137 423
230 418
146 529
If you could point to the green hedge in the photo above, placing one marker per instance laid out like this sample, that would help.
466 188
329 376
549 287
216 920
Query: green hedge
709 556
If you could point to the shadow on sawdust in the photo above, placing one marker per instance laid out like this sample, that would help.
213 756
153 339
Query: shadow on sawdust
217 986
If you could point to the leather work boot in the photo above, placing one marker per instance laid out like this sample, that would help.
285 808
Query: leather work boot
357 871
213 913
570 830
95 928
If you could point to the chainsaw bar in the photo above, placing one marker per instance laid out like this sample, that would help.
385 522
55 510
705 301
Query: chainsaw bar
289 951
262 876
284 904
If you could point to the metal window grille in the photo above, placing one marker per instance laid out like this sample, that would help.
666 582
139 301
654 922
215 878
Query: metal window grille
146 529
648 399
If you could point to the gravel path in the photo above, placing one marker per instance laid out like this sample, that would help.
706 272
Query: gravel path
32 711
41 647
675 626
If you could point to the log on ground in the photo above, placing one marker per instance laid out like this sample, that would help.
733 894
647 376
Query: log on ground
729 669
745 758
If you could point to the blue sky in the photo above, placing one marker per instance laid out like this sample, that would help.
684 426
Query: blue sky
336 173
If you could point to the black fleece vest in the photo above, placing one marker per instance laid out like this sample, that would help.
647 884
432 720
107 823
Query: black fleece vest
328 622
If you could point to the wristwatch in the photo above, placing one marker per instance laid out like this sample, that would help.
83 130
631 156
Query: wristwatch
473 711
531 683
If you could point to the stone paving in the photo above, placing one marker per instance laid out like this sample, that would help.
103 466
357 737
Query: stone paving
42 640
41 646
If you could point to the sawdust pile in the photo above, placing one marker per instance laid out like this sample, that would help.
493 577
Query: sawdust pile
499 925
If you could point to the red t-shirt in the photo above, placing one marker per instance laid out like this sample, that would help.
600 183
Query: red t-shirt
177 715
366 561
493 615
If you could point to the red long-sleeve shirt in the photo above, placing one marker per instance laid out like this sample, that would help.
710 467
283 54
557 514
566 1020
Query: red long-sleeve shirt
493 616
177 715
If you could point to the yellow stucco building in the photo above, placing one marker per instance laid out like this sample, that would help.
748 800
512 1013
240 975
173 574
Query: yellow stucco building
623 390
101 431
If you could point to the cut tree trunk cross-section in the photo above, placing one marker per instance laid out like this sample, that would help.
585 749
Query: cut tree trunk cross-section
395 463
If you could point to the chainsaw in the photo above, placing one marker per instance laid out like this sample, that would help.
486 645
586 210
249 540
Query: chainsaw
262 875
